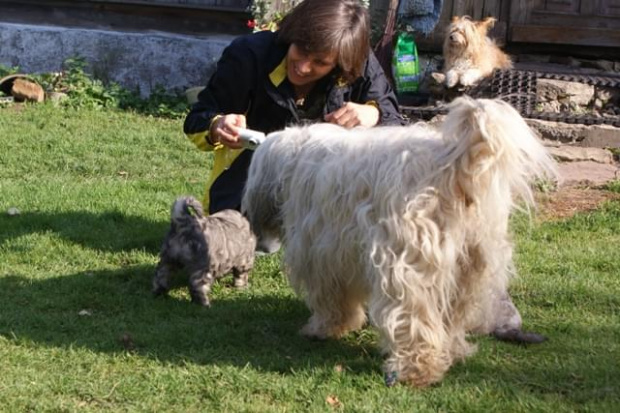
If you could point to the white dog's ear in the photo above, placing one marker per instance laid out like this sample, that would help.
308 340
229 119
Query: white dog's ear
485 25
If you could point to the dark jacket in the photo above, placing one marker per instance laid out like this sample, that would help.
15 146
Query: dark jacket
250 78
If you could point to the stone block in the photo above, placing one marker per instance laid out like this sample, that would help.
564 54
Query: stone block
25 90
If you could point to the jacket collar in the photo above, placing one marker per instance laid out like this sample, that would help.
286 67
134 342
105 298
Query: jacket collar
278 74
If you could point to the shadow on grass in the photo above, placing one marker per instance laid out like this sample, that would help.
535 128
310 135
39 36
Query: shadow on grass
120 314
242 328
108 231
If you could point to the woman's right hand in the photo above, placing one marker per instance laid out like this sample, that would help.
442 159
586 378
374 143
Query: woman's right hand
225 130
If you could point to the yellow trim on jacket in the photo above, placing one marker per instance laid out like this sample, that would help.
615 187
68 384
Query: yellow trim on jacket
223 156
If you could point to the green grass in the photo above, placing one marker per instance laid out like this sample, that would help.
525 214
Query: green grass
80 331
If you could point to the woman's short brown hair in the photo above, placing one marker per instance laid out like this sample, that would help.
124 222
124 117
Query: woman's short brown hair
318 26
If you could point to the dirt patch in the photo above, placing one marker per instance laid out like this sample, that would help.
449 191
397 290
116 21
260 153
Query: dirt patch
568 201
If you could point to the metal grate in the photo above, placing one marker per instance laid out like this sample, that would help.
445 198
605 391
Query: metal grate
519 87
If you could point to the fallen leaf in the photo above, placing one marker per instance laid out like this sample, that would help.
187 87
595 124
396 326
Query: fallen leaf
333 401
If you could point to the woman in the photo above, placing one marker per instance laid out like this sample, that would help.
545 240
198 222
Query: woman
317 68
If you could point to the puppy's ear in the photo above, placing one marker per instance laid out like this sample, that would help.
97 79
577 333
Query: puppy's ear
455 19
485 25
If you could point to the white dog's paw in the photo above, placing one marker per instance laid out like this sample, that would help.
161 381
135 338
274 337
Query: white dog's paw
452 78
439 78
471 77
313 331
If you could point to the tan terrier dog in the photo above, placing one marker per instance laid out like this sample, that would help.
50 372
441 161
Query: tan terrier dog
469 54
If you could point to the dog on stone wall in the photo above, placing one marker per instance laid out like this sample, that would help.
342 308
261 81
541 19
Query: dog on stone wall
406 224
469 54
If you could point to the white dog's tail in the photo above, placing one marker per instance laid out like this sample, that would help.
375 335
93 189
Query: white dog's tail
494 150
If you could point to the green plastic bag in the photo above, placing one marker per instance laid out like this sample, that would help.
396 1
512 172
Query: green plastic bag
405 65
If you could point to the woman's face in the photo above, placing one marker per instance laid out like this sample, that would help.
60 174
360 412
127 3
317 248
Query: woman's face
304 68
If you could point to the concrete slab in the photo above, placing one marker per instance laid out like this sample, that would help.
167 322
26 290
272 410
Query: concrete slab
135 60
587 173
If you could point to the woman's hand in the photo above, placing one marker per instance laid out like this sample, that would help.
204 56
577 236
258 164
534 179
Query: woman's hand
354 114
225 130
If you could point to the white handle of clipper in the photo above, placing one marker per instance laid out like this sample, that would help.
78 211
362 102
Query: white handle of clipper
250 139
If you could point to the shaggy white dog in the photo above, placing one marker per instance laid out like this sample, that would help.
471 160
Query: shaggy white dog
408 222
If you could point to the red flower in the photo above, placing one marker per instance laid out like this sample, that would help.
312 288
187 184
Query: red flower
251 23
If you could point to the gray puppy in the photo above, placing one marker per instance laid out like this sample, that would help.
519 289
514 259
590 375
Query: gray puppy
207 247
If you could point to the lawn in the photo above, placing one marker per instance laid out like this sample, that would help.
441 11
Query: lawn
80 330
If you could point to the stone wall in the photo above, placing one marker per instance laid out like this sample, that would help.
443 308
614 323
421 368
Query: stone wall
135 60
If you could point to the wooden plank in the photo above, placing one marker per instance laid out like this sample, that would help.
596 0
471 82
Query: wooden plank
492 8
561 35
563 6
217 5
568 21
611 8
116 16
434 41
589 8
464 8
193 4
520 11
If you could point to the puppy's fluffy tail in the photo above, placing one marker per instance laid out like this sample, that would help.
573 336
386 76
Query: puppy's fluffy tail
186 209
494 150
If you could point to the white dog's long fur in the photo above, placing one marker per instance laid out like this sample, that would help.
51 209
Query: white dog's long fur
410 222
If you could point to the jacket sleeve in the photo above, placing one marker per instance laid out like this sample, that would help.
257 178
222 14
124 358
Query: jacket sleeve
376 89
229 91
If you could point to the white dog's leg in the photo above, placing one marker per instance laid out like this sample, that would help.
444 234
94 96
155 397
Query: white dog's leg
489 308
417 331
336 308
418 349
333 317
470 77
507 316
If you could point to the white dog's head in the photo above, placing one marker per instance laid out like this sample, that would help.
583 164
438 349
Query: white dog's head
263 195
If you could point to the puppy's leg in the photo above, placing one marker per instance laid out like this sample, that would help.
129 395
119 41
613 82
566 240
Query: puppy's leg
470 77
240 277
200 282
161 280
452 78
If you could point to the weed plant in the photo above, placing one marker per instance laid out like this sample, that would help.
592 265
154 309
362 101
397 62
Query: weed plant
84 91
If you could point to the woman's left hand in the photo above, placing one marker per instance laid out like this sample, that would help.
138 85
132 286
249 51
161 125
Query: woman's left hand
354 114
